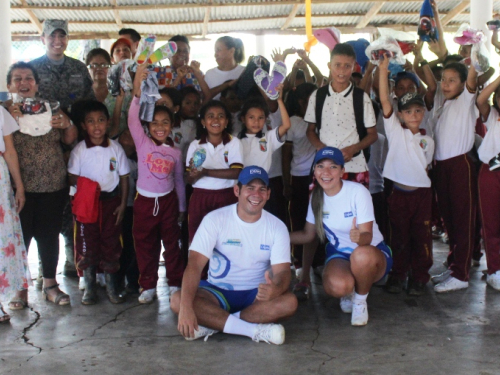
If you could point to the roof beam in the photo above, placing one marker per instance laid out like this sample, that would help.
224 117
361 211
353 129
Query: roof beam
194 5
116 13
301 31
370 14
34 19
204 28
455 12
290 17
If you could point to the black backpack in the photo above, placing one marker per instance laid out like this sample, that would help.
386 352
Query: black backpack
358 104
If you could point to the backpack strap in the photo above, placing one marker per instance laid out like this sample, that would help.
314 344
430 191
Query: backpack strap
321 94
358 103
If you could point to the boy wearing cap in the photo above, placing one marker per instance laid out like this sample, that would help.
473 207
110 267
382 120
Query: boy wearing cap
249 274
410 202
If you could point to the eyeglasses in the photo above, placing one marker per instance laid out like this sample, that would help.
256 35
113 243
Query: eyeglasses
96 66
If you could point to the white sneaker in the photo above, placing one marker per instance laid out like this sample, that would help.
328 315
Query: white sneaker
441 277
147 296
81 283
346 303
493 280
202 332
450 284
298 273
101 280
359 313
173 289
270 333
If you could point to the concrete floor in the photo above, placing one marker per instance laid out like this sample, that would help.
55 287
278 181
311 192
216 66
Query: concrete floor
456 333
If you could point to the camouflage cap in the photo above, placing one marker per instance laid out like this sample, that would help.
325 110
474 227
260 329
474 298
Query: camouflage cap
49 26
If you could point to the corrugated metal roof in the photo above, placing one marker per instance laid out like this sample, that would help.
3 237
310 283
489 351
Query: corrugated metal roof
225 15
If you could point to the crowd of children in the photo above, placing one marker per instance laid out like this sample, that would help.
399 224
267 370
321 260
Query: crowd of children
409 138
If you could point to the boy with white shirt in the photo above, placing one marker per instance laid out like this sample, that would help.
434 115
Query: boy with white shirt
410 201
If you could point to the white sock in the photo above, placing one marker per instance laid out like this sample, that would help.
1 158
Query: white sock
237 314
237 326
358 298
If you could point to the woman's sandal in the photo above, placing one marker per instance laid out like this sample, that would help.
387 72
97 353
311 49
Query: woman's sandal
18 304
61 297
4 317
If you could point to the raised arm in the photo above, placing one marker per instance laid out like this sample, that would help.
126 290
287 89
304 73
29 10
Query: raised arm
472 78
482 99
317 73
285 119
385 99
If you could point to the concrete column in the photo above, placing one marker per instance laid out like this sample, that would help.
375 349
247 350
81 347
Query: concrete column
481 11
5 46
260 41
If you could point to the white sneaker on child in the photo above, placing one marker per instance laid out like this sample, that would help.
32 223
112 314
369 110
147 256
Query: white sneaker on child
493 280
441 277
101 280
202 332
346 303
359 315
148 296
81 283
270 333
450 284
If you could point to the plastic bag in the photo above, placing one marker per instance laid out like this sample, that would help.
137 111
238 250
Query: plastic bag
467 35
480 57
119 77
388 46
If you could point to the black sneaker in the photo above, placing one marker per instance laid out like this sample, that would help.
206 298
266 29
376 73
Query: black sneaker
394 285
415 288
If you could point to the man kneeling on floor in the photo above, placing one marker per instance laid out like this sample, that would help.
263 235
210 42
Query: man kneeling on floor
249 273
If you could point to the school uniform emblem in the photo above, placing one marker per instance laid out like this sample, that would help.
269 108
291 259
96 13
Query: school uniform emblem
112 164
177 137
226 156
263 145
423 144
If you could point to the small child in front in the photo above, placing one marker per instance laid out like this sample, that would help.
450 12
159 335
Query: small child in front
102 160
410 201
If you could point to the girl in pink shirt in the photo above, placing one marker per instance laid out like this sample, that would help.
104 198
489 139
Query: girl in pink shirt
157 207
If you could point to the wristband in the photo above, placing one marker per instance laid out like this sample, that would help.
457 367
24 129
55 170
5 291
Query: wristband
423 62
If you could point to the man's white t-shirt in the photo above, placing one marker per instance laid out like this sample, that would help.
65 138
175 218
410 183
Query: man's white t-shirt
240 252
352 201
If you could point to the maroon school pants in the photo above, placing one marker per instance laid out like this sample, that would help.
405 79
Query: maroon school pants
456 187
204 201
155 220
489 203
410 238
298 211
98 244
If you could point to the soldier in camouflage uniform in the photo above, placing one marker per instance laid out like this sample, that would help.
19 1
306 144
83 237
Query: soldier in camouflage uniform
66 80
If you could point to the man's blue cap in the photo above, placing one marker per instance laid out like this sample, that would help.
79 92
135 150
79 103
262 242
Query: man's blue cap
252 172
331 153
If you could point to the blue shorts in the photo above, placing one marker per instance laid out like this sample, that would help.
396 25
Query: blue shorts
333 253
231 300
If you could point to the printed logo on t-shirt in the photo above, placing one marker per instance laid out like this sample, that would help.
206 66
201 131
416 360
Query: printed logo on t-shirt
177 137
112 164
263 145
265 247
423 144
159 165
219 265
233 242
226 156
348 214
